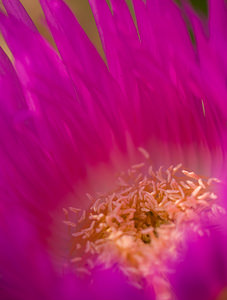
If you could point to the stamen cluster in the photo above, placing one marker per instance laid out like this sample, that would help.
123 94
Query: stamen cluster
141 223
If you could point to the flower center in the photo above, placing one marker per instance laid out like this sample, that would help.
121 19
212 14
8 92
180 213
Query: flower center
140 224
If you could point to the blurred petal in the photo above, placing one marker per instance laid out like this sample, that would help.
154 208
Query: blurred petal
16 9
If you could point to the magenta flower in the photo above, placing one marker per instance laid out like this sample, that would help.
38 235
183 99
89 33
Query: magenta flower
109 170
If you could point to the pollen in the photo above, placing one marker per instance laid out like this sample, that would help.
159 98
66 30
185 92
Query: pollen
140 225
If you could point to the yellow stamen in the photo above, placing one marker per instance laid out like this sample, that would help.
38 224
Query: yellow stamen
141 223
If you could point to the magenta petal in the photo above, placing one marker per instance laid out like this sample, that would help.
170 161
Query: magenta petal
77 51
47 83
107 31
16 9
83 63
123 20
111 285
217 18
15 106
203 273
118 35
24 265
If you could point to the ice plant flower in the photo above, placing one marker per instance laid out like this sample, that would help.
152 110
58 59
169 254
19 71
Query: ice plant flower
113 171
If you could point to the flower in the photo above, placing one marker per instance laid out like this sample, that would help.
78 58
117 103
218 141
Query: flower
71 124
